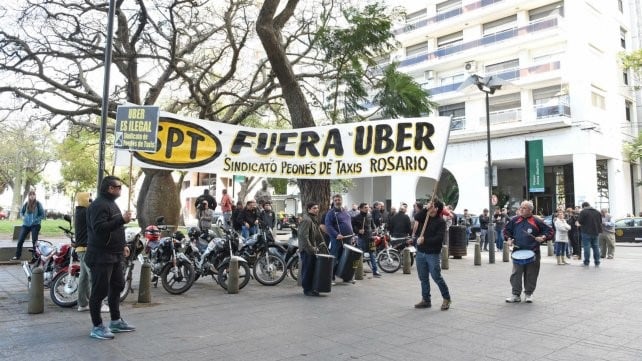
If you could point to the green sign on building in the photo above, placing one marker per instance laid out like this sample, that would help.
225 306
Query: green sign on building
535 165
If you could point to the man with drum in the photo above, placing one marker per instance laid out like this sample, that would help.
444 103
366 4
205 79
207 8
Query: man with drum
338 224
525 233
311 242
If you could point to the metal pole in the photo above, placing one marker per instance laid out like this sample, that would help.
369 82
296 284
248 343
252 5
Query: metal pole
105 102
490 234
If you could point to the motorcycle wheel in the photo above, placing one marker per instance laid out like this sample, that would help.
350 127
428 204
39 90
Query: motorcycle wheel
389 261
293 268
179 279
59 296
128 270
270 270
244 274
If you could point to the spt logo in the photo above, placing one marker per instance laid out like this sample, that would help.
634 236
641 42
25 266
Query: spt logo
182 145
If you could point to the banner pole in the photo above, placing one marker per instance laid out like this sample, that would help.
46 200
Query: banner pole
129 192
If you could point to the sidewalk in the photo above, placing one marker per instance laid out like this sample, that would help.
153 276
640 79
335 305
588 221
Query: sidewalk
579 313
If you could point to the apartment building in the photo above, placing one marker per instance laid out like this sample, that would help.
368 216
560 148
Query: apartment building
563 84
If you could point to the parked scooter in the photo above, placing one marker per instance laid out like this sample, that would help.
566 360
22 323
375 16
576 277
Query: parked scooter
60 274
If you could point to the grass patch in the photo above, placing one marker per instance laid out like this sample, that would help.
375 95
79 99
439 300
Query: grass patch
48 228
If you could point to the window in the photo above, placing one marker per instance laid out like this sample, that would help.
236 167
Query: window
453 79
625 78
382 59
416 15
628 110
547 58
505 102
450 39
623 38
417 49
620 6
503 66
544 96
445 6
598 100
457 112
500 25
555 9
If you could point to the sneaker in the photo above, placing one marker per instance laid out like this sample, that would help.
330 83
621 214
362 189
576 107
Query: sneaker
121 326
376 274
609 257
14 258
104 308
83 308
514 299
101 332
528 299
445 305
423 304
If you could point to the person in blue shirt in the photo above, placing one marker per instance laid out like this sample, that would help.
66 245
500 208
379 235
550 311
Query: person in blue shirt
338 224
32 214
526 232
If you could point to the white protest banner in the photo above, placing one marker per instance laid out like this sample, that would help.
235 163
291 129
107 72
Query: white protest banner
413 146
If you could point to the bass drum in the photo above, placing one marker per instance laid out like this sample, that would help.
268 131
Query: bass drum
179 279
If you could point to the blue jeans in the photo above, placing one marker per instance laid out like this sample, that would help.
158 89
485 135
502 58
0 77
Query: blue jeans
560 248
246 232
428 265
499 239
363 245
336 250
35 230
590 242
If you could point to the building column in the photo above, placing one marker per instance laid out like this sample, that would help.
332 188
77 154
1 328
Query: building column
403 189
619 197
585 178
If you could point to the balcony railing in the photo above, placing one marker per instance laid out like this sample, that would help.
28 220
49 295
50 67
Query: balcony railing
490 39
444 16
503 116
457 123
552 110
508 75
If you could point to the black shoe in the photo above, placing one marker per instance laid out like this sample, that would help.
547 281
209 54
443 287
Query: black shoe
423 304
376 274
312 293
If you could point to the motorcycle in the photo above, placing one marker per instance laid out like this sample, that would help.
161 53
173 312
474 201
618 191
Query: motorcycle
291 253
400 243
210 252
388 258
60 273
174 269
264 256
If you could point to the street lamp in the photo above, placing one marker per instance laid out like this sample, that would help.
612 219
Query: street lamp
488 85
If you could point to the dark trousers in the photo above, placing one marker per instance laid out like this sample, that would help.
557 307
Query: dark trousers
529 272
35 230
307 270
106 281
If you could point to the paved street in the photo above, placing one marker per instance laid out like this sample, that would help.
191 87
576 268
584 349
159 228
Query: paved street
579 314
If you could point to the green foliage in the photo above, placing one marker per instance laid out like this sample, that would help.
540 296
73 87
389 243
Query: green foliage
633 61
400 96
280 185
78 155
351 51
341 185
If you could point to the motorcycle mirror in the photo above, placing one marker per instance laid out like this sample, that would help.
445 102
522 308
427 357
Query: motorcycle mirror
160 219
67 218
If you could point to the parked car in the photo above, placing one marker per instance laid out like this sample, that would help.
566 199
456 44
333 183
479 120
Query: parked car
3 215
628 229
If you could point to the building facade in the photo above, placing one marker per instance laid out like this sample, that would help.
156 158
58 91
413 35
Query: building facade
563 84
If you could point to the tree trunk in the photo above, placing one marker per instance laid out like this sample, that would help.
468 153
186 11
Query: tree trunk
268 28
158 197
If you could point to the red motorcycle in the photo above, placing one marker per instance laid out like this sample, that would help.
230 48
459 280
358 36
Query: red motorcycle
60 274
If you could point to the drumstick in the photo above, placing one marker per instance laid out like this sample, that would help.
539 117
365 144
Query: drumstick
529 234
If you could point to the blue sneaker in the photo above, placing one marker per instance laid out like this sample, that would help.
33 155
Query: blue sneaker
101 332
121 326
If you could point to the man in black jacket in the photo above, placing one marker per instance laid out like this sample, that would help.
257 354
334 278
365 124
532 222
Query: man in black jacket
106 248
362 225
429 243
399 225
590 223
